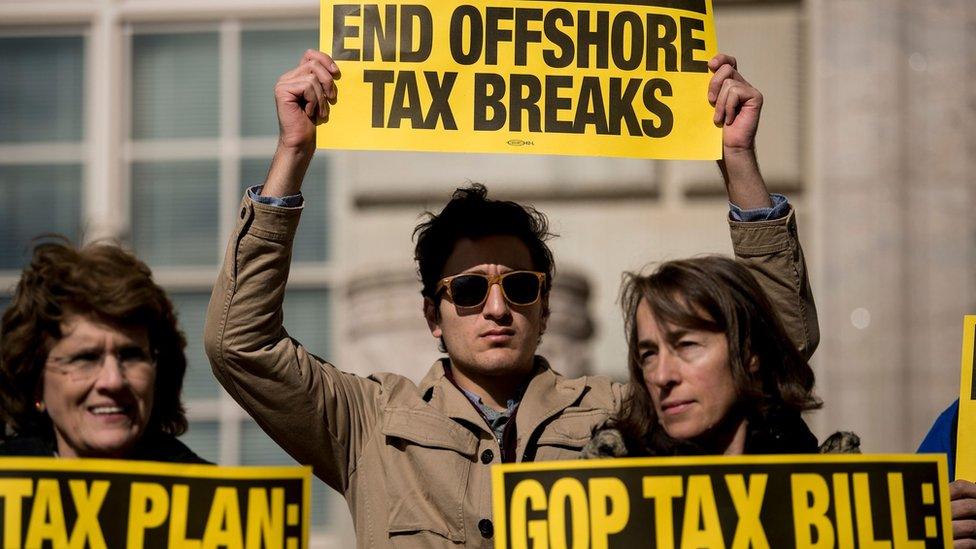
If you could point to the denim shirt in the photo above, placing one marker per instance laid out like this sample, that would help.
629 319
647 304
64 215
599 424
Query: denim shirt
497 419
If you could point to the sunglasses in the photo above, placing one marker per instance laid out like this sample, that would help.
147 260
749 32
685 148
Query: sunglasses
471 289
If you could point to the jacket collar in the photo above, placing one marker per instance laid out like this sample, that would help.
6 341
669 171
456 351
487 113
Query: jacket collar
442 395
547 394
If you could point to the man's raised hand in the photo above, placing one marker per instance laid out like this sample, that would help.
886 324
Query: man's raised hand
737 107
303 97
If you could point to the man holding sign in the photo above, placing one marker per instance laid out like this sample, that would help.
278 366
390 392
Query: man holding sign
413 462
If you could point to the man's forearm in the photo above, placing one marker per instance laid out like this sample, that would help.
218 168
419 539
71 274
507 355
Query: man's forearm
287 171
743 181
313 411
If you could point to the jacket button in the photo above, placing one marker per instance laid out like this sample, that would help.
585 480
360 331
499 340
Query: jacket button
486 528
487 456
243 212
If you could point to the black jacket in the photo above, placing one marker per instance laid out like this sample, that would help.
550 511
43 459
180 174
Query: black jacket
158 447
779 434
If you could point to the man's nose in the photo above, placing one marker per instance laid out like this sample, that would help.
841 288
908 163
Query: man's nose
495 304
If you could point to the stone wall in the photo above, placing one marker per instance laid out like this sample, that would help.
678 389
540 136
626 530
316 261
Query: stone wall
893 162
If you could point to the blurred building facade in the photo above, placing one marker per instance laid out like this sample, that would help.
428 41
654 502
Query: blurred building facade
144 120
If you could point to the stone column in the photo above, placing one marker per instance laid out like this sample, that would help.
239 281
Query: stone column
892 168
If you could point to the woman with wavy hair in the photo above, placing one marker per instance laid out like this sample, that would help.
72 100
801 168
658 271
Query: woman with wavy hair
91 359
712 370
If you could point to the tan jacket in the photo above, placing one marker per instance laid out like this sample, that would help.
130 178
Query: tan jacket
413 461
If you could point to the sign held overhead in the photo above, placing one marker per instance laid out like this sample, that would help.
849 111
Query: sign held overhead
616 78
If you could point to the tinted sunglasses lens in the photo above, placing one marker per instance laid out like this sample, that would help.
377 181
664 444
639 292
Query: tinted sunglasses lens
468 290
521 288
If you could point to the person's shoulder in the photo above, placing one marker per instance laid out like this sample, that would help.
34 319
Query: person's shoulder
593 382
26 446
841 442
600 390
167 448
941 436
399 390
392 382
950 416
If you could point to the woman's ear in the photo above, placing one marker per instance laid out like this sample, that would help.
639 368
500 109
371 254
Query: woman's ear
39 395
753 365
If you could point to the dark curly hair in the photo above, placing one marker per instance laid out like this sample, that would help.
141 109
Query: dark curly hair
714 294
100 281
471 214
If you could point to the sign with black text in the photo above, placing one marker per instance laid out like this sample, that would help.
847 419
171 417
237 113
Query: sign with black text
622 78
50 502
821 501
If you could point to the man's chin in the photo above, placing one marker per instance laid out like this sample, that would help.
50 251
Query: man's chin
502 362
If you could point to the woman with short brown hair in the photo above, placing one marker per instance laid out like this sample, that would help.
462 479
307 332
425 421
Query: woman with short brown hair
91 359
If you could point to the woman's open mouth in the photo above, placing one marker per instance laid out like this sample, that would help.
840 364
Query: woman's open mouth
112 412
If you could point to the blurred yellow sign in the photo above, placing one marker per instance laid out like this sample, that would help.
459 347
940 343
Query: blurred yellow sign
966 429
624 78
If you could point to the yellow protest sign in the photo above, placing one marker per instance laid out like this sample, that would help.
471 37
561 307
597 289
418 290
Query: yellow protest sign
813 501
49 502
624 78
966 428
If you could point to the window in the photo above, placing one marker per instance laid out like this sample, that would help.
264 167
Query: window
42 106
174 211
196 127
202 128
37 199
41 138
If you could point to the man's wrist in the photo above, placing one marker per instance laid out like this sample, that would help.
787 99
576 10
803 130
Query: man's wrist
288 169
740 164
300 148
743 181
736 153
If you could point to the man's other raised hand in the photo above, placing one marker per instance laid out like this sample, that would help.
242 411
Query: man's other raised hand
737 104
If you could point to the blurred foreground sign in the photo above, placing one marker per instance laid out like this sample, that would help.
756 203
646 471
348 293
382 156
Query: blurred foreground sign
106 503
966 427
826 501
615 78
